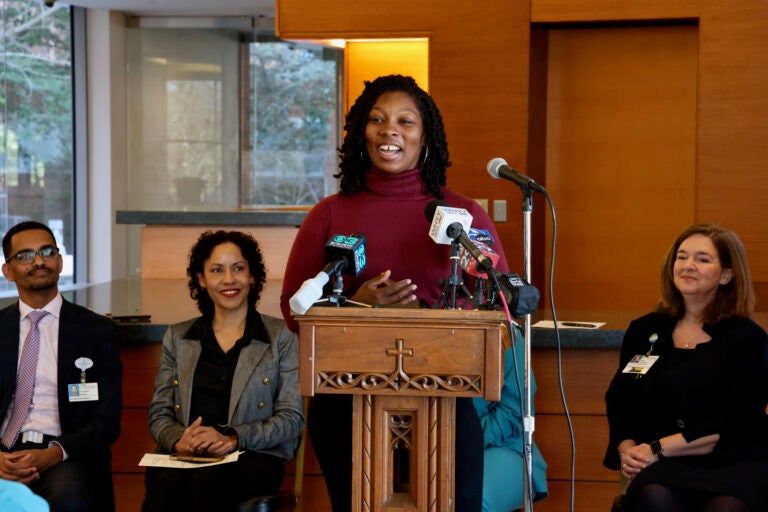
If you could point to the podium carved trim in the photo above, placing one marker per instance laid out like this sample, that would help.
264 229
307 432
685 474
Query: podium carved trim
399 380
366 492
404 371
433 462
425 383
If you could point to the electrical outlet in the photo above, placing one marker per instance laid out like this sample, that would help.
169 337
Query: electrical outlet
483 203
500 210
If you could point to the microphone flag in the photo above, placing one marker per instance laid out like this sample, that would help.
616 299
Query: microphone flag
443 217
482 240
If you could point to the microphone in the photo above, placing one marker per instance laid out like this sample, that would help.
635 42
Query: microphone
442 217
482 239
522 297
451 225
308 293
498 168
345 254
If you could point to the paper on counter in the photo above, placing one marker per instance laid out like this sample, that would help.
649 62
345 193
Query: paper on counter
568 324
160 460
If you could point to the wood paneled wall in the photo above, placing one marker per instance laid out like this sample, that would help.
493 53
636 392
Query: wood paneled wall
620 157
481 76
165 248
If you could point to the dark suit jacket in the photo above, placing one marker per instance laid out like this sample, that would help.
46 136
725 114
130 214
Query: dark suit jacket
88 428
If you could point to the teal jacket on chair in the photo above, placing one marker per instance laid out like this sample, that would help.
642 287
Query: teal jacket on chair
503 480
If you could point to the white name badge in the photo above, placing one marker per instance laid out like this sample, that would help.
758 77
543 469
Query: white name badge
640 365
83 392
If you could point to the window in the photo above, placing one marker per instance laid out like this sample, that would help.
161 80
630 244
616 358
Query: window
36 149
293 131
221 118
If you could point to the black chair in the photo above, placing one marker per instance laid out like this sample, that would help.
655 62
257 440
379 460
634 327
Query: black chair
284 501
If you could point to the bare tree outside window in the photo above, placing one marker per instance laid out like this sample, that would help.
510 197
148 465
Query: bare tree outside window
36 149
294 124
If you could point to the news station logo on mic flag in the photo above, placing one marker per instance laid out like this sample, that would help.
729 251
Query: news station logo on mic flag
443 217
482 239
351 248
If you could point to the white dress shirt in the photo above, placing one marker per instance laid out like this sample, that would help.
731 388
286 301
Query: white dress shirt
44 416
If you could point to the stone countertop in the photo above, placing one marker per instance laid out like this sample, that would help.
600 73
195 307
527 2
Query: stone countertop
167 301
235 217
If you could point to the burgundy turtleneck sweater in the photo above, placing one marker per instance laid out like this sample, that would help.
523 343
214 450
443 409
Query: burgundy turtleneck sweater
390 213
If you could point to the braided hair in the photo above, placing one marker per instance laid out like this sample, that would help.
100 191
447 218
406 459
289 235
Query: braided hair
355 163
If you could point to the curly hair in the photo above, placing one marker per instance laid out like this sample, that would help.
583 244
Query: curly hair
355 163
735 299
201 252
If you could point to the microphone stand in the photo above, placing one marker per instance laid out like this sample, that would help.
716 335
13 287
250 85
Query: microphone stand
453 282
529 422
336 298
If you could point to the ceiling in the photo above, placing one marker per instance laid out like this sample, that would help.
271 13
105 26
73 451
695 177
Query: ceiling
182 7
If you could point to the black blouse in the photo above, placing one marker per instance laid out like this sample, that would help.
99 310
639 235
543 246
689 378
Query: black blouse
212 384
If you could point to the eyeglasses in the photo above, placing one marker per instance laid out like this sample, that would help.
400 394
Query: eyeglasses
27 256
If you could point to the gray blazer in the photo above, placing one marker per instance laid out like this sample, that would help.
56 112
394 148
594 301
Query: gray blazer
265 407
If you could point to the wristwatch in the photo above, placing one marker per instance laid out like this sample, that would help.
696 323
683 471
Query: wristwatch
656 448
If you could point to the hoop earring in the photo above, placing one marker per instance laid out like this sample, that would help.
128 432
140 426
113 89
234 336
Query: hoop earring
362 158
426 154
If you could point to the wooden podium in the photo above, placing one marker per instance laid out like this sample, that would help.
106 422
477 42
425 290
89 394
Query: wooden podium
404 367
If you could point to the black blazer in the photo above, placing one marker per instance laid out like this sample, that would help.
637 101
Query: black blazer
718 387
88 428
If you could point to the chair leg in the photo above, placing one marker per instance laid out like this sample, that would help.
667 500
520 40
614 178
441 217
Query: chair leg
298 481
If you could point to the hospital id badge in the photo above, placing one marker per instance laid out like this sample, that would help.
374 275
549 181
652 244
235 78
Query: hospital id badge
83 392
639 365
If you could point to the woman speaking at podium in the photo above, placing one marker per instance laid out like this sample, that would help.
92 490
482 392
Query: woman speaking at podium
393 162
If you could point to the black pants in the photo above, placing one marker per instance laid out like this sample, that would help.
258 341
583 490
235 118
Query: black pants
329 424
74 486
218 488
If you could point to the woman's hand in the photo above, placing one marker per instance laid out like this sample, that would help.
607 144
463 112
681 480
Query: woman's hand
636 458
186 445
199 440
382 290
223 445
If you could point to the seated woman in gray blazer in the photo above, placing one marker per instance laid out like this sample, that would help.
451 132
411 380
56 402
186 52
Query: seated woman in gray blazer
227 381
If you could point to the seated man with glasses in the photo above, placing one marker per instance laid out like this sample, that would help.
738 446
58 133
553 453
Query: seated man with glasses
55 441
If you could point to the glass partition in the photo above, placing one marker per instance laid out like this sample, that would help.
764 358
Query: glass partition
217 120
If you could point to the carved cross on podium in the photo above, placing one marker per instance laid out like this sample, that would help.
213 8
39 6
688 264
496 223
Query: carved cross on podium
400 352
